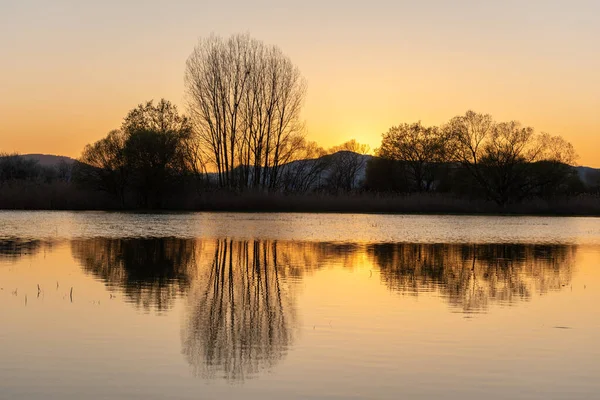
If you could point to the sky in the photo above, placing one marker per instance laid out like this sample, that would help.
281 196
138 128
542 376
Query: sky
71 69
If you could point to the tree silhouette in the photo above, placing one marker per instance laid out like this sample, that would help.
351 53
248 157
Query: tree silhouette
103 166
245 100
502 157
420 150
148 157
155 149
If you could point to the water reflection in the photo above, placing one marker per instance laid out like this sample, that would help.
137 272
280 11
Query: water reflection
241 315
151 272
470 277
12 249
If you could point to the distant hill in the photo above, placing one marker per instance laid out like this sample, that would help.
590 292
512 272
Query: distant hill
312 173
589 176
321 166
326 166
48 160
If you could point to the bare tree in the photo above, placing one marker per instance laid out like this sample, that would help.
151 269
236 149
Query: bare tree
194 158
507 160
419 148
557 149
302 173
244 98
347 163
469 133
103 165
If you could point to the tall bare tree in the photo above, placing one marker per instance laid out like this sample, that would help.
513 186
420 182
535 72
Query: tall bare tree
244 98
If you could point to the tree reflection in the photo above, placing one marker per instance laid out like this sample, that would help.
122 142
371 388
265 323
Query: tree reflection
151 272
471 277
13 249
241 317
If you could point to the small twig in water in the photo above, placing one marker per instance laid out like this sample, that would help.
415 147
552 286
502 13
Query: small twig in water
71 294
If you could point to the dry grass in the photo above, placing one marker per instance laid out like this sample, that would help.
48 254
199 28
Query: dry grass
52 196
377 203
63 196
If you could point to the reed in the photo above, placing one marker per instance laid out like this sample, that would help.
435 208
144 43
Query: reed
64 196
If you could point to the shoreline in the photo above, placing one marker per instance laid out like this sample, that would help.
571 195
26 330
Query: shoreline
586 205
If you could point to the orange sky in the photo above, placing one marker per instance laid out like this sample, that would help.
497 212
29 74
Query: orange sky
70 71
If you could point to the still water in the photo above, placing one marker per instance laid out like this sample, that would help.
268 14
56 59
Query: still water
297 306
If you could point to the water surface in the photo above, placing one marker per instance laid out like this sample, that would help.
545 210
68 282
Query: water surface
152 306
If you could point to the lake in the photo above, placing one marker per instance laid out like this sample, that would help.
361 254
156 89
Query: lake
298 306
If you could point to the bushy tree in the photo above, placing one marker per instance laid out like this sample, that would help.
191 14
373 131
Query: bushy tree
420 150
102 165
154 149
147 157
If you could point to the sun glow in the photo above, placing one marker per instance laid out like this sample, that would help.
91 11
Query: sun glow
536 63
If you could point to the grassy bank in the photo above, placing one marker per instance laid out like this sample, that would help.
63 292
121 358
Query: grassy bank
52 196
588 205
63 196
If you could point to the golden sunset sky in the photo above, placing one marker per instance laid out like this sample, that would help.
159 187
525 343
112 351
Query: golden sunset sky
71 69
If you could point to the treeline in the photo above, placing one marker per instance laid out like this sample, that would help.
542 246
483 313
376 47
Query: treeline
27 184
154 160
473 155
156 156
15 168
242 138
